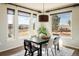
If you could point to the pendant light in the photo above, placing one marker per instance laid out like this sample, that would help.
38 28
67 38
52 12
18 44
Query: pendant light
43 17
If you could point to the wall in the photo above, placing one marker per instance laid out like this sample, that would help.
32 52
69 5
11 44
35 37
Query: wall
5 43
3 26
75 27
74 42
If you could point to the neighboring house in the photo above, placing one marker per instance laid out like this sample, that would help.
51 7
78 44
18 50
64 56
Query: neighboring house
64 28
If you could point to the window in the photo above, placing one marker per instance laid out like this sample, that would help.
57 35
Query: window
10 15
34 21
61 22
23 22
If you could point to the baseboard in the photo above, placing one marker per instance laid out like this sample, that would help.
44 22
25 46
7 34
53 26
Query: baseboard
70 47
11 51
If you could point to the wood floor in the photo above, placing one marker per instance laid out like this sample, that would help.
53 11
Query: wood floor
18 49
76 51
12 51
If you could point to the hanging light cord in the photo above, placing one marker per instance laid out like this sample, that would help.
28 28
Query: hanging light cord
43 8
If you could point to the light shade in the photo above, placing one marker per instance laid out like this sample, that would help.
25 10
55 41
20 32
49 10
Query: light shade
43 18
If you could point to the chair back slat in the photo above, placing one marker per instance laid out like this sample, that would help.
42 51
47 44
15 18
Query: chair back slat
50 43
53 42
27 45
56 40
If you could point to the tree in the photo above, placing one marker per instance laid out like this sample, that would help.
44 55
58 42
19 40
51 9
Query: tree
69 22
55 22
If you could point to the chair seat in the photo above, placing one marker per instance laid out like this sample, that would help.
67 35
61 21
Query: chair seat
33 49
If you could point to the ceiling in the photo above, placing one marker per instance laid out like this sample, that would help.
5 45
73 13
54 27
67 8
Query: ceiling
47 6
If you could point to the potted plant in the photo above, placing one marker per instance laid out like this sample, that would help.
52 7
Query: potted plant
43 33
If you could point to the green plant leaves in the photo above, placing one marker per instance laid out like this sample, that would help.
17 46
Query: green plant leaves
42 30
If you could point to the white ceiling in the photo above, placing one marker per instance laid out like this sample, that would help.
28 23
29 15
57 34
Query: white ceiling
47 6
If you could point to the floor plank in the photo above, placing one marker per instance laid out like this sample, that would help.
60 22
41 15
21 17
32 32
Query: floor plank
12 51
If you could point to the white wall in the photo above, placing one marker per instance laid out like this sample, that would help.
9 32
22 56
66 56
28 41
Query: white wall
74 42
75 27
3 26
5 43
9 44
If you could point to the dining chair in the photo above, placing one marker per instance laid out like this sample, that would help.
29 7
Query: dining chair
47 46
29 48
52 42
56 44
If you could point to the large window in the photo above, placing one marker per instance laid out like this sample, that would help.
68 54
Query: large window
10 15
23 22
61 23
34 21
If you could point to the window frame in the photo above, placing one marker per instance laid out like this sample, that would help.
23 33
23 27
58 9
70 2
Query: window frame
70 11
13 13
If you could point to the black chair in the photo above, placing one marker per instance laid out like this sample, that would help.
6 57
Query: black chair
29 48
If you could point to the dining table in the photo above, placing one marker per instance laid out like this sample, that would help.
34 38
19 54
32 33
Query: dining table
40 42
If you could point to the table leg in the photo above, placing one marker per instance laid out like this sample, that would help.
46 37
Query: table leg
40 50
58 46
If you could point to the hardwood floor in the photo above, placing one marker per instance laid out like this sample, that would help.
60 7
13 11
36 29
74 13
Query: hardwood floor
12 51
76 51
16 51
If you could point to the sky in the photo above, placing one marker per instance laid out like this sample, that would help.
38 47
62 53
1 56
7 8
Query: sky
23 20
64 18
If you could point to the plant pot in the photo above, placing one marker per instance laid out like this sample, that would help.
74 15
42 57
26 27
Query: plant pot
45 37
